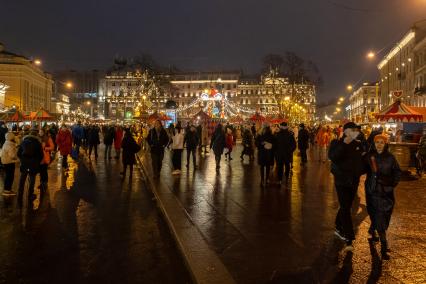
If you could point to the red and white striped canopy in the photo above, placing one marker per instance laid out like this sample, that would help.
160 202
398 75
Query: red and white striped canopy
399 112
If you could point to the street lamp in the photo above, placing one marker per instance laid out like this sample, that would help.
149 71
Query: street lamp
349 88
371 55
37 62
69 85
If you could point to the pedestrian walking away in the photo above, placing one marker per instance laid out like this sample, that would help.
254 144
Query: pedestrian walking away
191 141
118 137
48 146
303 142
383 175
64 143
93 140
109 135
347 166
247 141
217 143
265 154
77 136
9 158
157 140
285 144
30 153
229 140
130 148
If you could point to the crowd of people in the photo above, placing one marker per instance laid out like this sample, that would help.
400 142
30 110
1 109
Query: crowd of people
346 146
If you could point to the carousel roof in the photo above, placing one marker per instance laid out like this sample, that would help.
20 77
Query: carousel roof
399 112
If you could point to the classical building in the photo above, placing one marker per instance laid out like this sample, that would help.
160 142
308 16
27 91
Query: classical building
271 94
60 104
3 88
364 103
420 72
29 87
124 90
398 69
191 91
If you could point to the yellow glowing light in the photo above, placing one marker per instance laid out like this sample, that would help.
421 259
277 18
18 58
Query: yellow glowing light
37 62
341 99
371 55
349 87
69 85
144 97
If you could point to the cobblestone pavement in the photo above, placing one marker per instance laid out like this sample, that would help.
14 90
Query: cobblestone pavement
91 228
285 235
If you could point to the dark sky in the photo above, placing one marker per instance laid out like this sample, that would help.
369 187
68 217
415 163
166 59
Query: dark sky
210 34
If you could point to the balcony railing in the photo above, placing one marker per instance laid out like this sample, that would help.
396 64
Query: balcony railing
420 90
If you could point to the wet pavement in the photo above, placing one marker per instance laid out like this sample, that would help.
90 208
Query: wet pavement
91 228
285 234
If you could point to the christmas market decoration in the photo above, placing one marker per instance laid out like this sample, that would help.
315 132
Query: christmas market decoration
399 112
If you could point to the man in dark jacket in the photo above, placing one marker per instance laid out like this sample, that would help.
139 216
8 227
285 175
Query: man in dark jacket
191 141
303 142
157 140
109 134
30 153
77 136
218 142
93 140
347 166
285 144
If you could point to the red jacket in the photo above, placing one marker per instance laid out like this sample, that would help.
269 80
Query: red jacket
118 138
64 142
229 141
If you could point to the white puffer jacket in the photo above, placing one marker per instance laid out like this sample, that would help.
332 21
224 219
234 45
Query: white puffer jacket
178 140
8 153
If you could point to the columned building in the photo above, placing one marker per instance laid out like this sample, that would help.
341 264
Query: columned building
364 103
29 87
398 69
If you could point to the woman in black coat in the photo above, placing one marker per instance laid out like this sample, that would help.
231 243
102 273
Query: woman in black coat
265 155
218 144
130 148
383 175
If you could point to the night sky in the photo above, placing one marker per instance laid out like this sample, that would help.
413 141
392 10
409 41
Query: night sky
210 34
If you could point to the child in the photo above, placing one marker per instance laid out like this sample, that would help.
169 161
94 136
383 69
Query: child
9 158
229 144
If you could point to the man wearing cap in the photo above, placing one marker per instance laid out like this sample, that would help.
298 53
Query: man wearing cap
347 166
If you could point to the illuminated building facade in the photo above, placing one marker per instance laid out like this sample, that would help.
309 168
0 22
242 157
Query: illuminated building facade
29 87
363 103
398 69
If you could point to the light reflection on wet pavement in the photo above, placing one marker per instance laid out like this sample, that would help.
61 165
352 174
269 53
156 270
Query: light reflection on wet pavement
286 235
92 227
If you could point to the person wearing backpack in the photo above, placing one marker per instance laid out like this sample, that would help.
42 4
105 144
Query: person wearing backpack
9 158
130 148
30 153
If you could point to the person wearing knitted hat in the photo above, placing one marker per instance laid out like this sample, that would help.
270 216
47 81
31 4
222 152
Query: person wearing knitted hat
383 174
9 158
347 166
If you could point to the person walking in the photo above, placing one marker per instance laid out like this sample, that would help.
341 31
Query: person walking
177 149
383 175
217 143
346 166
204 139
109 135
265 154
285 144
303 142
118 137
77 136
47 146
229 140
157 140
191 141
130 149
8 159
64 143
93 140
30 153
247 141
